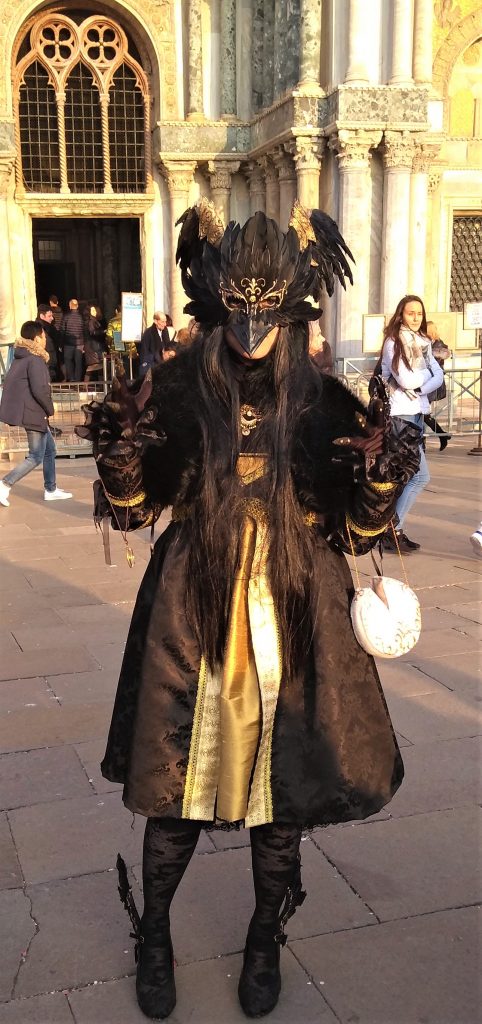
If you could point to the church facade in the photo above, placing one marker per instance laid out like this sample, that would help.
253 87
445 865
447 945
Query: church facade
115 117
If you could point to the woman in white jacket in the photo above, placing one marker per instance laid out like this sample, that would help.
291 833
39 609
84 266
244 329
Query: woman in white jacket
412 373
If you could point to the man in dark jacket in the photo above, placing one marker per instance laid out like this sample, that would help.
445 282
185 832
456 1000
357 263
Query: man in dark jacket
73 341
27 402
153 343
45 318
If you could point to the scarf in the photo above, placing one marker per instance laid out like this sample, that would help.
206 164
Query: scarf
416 349
34 346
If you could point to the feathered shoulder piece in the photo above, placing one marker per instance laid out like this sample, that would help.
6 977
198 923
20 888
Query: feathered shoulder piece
258 270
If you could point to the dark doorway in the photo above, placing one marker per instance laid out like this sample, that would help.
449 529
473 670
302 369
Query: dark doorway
92 260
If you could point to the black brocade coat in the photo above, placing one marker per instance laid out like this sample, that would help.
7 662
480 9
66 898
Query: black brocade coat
330 754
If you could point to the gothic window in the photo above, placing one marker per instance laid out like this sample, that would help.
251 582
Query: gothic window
82 109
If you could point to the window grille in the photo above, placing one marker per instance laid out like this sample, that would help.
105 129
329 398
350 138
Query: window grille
82 108
466 277
39 146
126 132
50 250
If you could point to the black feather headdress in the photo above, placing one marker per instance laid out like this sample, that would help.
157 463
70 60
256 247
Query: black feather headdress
257 276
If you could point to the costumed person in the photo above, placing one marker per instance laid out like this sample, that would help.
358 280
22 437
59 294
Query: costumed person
244 699
319 349
440 352
412 373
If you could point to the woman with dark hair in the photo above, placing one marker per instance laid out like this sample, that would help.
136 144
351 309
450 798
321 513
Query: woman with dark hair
244 698
94 348
412 372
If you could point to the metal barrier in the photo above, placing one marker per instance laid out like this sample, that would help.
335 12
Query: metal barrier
68 400
458 412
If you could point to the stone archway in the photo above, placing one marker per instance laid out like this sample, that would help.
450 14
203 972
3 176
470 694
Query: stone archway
459 38
151 19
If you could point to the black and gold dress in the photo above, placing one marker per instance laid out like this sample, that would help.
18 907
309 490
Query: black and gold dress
246 742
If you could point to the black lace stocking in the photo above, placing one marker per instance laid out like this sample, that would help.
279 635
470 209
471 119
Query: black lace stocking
274 853
169 844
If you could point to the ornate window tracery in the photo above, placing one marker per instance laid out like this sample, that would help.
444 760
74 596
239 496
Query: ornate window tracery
82 116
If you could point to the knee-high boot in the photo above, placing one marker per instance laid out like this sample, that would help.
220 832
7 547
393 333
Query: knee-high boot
169 844
277 881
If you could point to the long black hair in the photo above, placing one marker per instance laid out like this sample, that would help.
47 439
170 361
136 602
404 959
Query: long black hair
288 383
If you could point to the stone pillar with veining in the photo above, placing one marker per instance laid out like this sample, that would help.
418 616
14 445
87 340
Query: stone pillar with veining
220 174
257 69
268 52
228 58
257 186
424 154
195 62
272 187
287 185
353 154
292 45
422 41
307 151
310 42
179 175
7 316
280 47
402 42
398 149
359 29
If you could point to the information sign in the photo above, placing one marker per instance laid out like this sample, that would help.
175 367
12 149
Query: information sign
473 315
131 316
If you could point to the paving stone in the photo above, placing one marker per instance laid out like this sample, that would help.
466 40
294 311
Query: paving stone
21 665
103 614
48 727
38 776
10 870
439 642
404 680
24 693
86 687
17 616
37 1010
109 656
17 931
440 618
206 994
411 865
435 716
83 935
32 637
438 776
233 839
462 673
472 611
90 755
445 596
50 837
420 971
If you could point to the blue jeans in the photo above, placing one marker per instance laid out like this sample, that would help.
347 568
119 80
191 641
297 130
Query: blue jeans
41 449
416 485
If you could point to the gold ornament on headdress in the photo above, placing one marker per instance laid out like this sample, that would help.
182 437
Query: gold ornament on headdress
300 221
210 223
251 294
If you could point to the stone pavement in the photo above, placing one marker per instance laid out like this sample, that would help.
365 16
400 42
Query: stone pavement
388 933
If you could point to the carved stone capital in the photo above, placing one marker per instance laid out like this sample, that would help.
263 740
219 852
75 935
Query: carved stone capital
7 163
220 173
255 176
284 165
178 174
307 152
398 150
353 148
269 170
424 155
434 179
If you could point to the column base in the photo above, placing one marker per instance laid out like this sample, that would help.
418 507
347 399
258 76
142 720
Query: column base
196 116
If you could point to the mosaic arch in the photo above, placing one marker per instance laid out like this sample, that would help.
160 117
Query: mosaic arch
150 21
459 38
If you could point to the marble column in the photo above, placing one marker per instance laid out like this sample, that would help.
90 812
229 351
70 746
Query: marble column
7 317
307 152
228 58
272 187
353 154
179 175
268 53
220 174
310 42
195 62
422 41
402 42
257 186
280 47
398 148
257 56
424 154
292 44
287 185
359 30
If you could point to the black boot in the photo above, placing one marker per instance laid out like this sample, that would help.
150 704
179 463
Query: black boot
168 847
277 875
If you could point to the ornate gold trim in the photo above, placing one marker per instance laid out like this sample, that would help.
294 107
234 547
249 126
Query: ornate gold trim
381 488
361 531
136 499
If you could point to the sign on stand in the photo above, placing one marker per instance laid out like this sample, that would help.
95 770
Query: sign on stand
473 315
131 316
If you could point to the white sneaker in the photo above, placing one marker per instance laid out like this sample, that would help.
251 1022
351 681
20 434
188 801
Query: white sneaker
4 493
57 495
476 541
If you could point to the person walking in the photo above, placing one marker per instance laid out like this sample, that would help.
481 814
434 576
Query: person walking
244 698
440 352
26 402
154 341
73 342
94 345
412 373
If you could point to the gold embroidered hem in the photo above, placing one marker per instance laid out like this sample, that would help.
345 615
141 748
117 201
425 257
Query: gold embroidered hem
380 488
361 530
136 499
